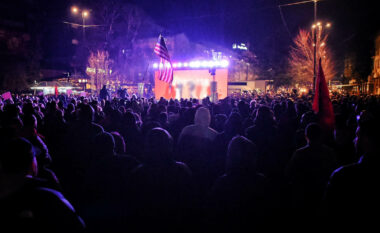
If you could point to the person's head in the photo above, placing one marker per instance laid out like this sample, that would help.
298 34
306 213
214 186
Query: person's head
233 124
367 134
13 126
241 156
153 111
129 118
12 110
119 143
300 108
74 102
220 120
86 113
202 117
27 108
163 117
18 158
313 133
290 107
243 108
70 108
30 121
104 144
252 104
149 125
264 116
158 146
52 106
307 118
277 109
61 105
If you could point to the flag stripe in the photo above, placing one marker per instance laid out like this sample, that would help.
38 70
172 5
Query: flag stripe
162 53
166 73
164 56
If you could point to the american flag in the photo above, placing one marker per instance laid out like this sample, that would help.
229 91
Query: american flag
166 71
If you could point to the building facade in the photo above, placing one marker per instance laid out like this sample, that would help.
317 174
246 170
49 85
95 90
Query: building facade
374 78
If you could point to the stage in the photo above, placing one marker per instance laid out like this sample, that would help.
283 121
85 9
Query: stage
191 83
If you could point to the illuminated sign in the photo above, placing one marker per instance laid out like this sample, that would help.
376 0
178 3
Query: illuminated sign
240 46
206 64
93 70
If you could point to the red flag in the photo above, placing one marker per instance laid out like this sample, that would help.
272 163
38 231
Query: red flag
322 105
56 90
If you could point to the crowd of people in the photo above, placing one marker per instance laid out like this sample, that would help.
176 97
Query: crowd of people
88 164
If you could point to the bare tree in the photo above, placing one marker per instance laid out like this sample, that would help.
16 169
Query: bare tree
301 59
245 66
119 24
99 69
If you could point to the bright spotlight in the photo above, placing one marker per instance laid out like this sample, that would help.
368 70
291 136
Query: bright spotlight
224 63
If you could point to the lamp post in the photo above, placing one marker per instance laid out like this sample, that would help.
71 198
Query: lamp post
317 29
84 14
82 83
315 36
246 77
315 45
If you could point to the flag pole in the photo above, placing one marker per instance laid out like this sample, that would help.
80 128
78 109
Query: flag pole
149 62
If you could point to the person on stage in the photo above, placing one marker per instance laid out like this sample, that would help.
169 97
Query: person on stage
104 94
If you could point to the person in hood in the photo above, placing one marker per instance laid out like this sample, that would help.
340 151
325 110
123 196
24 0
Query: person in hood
196 148
200 128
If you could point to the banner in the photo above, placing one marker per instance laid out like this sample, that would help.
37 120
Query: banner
7 96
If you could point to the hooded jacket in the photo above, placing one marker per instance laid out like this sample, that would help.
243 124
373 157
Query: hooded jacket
200 128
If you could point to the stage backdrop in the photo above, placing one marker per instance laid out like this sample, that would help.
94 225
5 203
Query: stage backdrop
191 84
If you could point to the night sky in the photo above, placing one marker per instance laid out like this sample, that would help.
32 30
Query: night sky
225 22
354 23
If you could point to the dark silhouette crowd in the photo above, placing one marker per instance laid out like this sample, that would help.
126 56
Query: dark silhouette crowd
88 164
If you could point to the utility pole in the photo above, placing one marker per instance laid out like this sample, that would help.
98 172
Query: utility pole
315 46
246 79
84 29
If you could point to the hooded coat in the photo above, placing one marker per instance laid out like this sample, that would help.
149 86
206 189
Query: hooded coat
196 149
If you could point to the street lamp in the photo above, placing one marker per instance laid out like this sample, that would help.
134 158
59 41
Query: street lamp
74 9
84 14
83 82
317 26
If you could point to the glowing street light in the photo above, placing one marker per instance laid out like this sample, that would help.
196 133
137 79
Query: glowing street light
74 10
320 26
85 14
